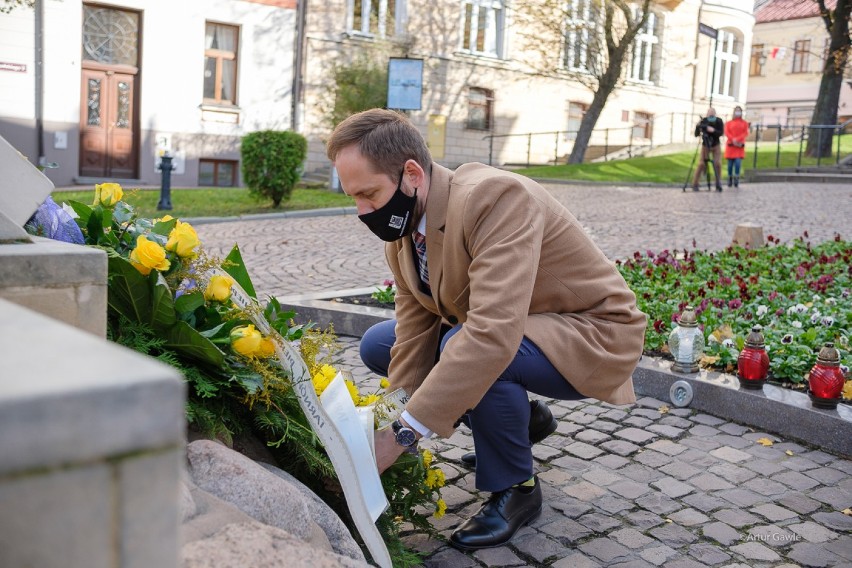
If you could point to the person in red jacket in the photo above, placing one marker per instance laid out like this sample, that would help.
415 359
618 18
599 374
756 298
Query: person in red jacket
736 131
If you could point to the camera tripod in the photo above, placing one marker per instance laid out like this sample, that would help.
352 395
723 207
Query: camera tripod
708 162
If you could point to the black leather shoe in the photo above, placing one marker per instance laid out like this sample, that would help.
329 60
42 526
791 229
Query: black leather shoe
542 425
499 519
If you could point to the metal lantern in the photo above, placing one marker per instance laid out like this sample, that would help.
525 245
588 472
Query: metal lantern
753 362
686 343
825 381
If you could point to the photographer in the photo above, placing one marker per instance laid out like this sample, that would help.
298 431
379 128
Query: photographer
711 128
736 131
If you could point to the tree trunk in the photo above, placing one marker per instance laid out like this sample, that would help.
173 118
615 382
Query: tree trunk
606 86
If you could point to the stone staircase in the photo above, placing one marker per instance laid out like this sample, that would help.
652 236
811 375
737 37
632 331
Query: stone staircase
841 173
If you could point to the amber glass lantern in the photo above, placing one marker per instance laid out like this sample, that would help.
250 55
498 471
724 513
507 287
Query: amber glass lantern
753 362
825 381
686 343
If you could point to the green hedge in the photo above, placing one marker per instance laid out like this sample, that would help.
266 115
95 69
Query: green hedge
272 163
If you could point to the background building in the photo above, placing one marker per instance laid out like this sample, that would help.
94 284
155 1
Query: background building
125 82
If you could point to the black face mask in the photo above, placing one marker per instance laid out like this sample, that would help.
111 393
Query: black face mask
395 219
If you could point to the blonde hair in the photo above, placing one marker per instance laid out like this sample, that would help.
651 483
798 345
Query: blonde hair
386 138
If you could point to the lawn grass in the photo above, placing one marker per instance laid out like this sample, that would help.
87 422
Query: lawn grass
673 168
214 202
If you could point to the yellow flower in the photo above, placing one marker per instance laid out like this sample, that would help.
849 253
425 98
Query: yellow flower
367 400
148 255
353 391
183 240
847 390
323 377
218 288
266 349
246 340
164 219
427 458
440 508
108 194
384 383
434 478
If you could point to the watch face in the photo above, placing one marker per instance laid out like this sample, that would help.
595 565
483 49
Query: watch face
405 437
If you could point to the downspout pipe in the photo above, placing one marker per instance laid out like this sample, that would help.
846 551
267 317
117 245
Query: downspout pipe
298 64
39 81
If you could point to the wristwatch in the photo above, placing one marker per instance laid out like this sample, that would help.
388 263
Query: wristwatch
405 436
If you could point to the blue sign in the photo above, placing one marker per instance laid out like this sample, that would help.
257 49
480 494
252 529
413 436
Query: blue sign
405 83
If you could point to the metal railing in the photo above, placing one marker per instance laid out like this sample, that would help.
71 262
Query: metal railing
786 133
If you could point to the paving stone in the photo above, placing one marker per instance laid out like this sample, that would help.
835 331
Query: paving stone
648 402
555 476
732 473
500 556
798 463
689 517
575 560
737 442
681 562
819 457
620 447
722 533
568 428
708 554
792 447
629 489
831 495
566 528
736 517
605 549
612 504
539 547
580 417
637 421
699 457
571 464
649 413
814 555
635 435
799 503
643 519
556 441
699 443
632 563
709 482
666 447
680 470
545 453
742 497
843 465
600 476
571 508
615 415
826 475
841 547
591 436
680 412
774 513
772 535
812 532
766 453
652 458
796 480
730 454
707 420
703 431
631 538
605 426
594 410
667 431
584 491
835 520
766 487
763 467
449 558
658 555
673 535
658 503
675 421
755 551
611 461
584 451
598 523
704 502
672 487
734 429
641 473
454 497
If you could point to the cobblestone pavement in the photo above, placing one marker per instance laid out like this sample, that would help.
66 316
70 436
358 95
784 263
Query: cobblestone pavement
296 255
645 486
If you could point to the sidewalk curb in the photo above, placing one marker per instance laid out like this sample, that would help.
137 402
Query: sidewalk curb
327 212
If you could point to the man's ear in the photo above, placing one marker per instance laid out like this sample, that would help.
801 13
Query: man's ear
414 173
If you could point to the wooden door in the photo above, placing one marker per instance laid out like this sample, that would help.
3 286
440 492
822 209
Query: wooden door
107 137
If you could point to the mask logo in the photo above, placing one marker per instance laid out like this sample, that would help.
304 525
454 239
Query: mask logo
396 222
393 220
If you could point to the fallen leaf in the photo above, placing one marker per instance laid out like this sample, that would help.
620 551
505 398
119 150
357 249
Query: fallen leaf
765 442
663 409
708 360
789 452
847 512
722 333
669 521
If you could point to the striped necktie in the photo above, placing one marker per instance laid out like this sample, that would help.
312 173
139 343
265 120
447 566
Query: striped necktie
420 246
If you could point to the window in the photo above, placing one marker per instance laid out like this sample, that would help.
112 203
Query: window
576 112
642 124
581 36
647 51
800 55
479 108
482 27
376 18
217 173
727 64
757 60
220 64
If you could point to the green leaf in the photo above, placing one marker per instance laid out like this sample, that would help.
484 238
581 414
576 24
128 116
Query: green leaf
95 226
235 266
128 291
184 339
122 212
164 227
189 302
82 210
162 306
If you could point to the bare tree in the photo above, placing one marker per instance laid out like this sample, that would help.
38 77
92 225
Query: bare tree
7 6
594 38
837 24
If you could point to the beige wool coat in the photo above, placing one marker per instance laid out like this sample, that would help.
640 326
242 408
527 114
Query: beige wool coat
506 260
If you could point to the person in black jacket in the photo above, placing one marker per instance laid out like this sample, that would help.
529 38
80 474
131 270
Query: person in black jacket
711 128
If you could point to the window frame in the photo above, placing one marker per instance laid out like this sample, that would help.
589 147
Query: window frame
235 164
579 25
572 117
647 125
221 55
365 30
757 61
650 61
488 105
801 56
493 32
728 59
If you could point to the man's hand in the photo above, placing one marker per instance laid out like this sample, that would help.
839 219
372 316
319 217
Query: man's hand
710 129
387 450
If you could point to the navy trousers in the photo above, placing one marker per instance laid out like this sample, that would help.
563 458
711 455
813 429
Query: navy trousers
500 422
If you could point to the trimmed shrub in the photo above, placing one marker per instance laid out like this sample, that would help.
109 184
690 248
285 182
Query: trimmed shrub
272 163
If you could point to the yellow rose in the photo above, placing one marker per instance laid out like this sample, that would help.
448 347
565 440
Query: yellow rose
164 219
218 288
246 340
266 349
108 194
183 240
148 256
